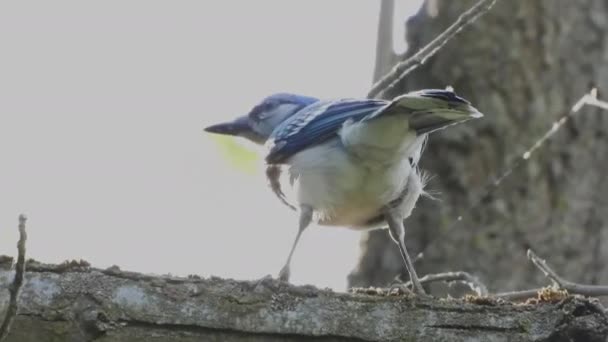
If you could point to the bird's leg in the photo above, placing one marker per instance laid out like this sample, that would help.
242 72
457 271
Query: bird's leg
397 233
305 218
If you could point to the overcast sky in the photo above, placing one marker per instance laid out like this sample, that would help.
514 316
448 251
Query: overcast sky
102 105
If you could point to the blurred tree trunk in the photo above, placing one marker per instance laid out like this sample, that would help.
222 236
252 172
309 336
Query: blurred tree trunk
523 64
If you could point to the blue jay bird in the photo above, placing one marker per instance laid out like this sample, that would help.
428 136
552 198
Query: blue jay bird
350 162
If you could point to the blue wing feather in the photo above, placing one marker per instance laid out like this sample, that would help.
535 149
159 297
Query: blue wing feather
316 124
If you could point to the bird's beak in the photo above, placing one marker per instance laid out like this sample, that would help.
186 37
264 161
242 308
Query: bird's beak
235 127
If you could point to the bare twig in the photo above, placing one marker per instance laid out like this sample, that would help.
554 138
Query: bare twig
461 276
558 283
14 288
587 99
518 295
402 69
590 99
585 290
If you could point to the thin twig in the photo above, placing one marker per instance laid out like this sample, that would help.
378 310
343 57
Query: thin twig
558 282
461 276
590 99
402 69
585 290
518 295
14 288
587 99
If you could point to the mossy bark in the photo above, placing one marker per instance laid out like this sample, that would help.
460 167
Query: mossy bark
74 302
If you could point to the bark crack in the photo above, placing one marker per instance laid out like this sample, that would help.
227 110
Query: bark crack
517 329
197 329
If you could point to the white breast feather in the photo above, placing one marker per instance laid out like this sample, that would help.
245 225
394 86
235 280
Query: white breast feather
348 180
379 141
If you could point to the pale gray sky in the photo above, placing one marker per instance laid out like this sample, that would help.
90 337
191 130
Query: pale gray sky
102 105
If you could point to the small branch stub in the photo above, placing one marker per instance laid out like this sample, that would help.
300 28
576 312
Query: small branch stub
15 286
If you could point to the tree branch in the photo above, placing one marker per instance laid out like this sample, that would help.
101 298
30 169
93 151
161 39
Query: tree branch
73 301
15 286
402 69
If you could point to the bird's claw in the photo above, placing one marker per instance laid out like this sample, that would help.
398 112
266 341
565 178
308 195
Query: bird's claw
403 288
284 274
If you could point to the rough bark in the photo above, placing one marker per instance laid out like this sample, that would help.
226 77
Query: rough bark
524 64
73 302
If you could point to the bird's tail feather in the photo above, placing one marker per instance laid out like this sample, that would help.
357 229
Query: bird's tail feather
430 110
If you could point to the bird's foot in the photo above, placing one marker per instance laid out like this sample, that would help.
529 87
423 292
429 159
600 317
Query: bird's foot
408 289
284 274
417 288
400 289
419 291
265 281
422 294
270 281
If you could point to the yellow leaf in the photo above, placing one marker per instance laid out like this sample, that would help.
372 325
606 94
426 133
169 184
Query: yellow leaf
237 154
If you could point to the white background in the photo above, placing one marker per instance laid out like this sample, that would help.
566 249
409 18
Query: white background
102 105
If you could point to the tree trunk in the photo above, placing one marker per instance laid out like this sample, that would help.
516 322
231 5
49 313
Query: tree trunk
73 302
524 64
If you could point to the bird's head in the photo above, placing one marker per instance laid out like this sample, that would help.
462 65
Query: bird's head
263 118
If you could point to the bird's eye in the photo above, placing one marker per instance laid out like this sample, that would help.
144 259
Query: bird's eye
267 106
262 110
